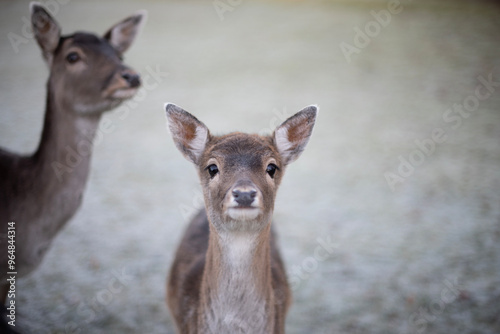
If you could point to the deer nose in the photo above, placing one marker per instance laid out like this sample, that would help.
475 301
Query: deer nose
133 79
244 198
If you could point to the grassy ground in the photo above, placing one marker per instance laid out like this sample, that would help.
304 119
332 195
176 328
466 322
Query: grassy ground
398 188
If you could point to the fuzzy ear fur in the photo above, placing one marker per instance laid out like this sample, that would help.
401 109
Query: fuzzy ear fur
292 136
189 134
46 30
122 34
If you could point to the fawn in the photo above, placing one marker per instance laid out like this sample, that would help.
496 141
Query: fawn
227 276
39 193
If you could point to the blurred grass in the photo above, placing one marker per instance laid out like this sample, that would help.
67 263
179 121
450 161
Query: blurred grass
268 58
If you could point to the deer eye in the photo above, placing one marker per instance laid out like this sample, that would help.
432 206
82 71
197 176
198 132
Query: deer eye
72 57
271 170
212 170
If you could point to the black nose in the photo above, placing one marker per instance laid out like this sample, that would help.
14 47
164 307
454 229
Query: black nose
244 198
133 79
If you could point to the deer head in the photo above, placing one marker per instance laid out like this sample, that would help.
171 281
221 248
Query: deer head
240 173
87 73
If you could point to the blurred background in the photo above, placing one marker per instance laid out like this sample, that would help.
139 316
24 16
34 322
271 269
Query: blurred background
388 223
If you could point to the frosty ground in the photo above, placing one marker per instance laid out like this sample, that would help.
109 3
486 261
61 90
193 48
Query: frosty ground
388 223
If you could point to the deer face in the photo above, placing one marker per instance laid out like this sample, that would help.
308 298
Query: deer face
86 71
240 173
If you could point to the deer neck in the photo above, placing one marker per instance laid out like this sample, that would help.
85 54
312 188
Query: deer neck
57 172
236 292
63 155
50 183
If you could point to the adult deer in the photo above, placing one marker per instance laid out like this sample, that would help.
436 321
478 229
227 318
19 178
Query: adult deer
42 191
227 276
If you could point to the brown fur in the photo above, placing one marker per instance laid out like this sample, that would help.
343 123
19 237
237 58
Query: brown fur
228 255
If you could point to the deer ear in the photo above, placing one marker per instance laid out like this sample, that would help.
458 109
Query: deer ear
189 134
292 136
46 30
122 34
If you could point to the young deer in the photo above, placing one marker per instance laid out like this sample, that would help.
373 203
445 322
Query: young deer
41 192
227 276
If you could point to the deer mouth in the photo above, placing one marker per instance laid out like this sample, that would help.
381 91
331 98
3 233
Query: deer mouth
123 93
243 212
